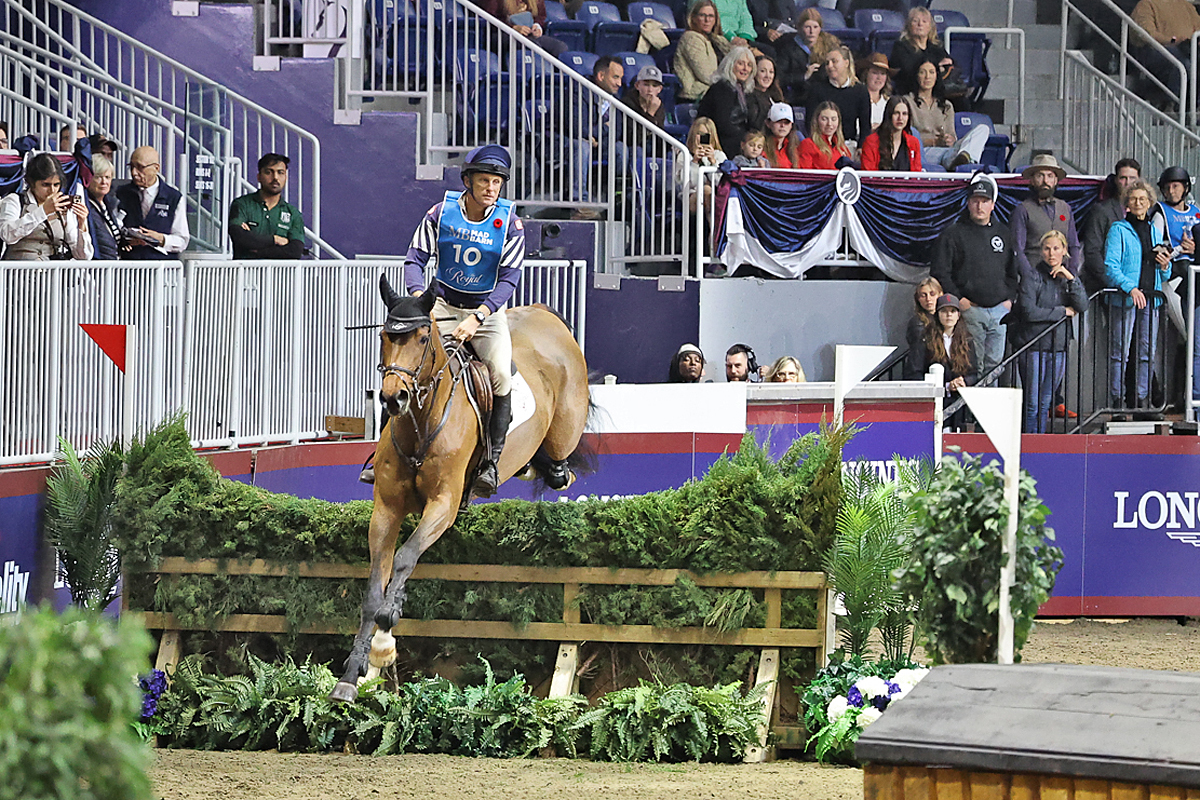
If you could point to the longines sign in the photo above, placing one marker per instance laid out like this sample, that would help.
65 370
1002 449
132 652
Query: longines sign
1175 512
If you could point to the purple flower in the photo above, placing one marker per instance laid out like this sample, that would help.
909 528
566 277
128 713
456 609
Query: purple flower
893 688
880 702
149 706
854 697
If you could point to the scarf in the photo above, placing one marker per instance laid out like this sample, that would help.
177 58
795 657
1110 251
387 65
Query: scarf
1149 266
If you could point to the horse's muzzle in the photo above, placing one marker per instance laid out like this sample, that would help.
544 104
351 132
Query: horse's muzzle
396 403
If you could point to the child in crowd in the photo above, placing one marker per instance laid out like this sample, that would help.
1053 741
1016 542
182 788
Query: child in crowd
751 156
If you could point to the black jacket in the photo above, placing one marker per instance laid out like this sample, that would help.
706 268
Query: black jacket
720 104
1041 302
853 101
978 262
907 58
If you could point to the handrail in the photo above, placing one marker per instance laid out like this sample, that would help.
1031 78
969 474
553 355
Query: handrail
1009 31
1122 49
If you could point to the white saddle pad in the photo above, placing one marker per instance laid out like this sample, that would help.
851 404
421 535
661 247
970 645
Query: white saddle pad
523 404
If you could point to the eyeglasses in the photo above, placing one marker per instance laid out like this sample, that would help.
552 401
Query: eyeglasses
706 16
142 167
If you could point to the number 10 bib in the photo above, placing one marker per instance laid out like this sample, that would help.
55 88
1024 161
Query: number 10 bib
468 253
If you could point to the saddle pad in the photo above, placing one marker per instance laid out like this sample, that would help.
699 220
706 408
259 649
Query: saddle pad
523 404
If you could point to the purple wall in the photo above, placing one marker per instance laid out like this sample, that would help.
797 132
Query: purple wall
633 332
371 199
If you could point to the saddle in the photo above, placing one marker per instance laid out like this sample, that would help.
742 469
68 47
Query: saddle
467 367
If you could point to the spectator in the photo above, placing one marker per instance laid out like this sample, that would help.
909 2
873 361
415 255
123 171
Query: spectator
879 86
737 22
102 145
841 86
933 120
64 137
528 18
975 259
700 51
1100 219
42 223
918 43
102 210
1048 293
1041 211
741 365
702 144
925 298
825 147
4 136
151 213
608 73
1176 217
768 16
786 370
766 91
948 343
262 224
892 147
687 365
1136 263
801 58
725 101
752 156
783 144
1171 23
643 96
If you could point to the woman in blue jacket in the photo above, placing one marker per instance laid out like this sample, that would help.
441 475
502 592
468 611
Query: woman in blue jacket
1136 262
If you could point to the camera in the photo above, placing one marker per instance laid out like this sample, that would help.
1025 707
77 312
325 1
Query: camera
705 138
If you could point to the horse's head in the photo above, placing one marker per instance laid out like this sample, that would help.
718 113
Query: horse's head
407 348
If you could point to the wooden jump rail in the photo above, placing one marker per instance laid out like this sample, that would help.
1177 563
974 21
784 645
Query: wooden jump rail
570 632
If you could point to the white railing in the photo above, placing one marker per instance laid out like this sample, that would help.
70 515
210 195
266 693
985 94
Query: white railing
212 125
1008 32
1103 121
1072 13
1189 308
254 351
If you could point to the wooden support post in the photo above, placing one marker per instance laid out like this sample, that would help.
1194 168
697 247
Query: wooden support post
168 652
827 624
565 682
768 672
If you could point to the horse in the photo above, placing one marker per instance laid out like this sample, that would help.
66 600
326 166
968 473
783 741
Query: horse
430 445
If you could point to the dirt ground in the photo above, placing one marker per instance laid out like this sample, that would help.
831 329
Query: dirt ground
190 775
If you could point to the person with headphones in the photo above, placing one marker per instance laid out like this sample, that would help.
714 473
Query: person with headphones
478 243
741 365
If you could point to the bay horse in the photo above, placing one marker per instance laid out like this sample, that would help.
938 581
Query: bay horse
430 444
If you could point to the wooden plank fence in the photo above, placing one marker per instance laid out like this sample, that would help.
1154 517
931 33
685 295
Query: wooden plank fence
570 632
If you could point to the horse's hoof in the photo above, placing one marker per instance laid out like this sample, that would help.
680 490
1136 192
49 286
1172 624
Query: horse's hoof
387 618
344 693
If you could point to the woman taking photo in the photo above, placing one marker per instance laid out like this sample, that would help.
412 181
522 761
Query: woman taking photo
825 147
1137 262
766 92
892 147
918 42
1048 294
841 86
102 209
725 101
41 223
702 144
933 121
783 145
700 50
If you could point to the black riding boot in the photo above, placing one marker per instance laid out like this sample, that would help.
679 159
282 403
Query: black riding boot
368 473
489 477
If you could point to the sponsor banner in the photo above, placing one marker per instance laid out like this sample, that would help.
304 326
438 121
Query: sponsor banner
20 523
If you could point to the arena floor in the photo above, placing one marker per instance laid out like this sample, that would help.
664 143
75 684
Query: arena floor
190 775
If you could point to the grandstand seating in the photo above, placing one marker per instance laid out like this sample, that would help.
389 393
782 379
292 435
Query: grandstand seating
593 12
610 38
945 18
572 33
12 172
999 147
639 11
832 18
633 63
555 10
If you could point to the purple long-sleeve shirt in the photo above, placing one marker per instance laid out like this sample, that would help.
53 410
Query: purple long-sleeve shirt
424 247
1020 229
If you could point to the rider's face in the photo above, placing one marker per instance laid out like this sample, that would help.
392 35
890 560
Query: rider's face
486 188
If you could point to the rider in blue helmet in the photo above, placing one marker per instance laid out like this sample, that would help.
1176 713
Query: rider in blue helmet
479 246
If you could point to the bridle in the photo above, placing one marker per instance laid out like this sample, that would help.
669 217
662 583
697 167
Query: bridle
420 392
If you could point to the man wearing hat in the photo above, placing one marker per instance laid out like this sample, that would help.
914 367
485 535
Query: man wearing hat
643 96
975 259
1042 212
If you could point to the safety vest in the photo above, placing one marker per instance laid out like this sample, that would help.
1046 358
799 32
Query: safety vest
468 253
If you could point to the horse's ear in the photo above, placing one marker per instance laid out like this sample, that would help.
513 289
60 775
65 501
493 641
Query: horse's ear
390 298
427 299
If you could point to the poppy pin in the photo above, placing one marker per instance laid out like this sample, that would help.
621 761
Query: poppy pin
500 224
1061 218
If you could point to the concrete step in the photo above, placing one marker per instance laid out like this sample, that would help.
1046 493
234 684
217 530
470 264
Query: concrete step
985 12
1037 87
1003 61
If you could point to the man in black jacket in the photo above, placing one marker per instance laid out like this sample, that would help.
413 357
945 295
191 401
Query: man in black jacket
975 259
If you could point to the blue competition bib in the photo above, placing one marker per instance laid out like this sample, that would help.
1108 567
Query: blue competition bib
1179 221
468 253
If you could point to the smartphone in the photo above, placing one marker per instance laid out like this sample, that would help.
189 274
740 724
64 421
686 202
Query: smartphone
705 138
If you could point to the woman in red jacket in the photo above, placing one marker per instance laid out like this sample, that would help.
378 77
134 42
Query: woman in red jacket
892 147
825 145
783 145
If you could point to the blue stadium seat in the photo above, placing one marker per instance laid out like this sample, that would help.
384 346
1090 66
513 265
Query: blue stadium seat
685 113
945 19
609 38
832 18
12 172
853 38
402 49
998 151
382 14
680 132
570 32
883 41
665 57
640 11
593 12
555 10
932 167
581 62
484 102
969 51
869 20
971 168
964 121
633 63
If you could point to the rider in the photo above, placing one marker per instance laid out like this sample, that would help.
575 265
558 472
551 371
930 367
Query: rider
478 244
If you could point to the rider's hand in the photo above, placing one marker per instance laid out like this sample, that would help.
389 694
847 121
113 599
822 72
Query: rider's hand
466 329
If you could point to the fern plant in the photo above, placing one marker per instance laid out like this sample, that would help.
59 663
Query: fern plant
874 540
80 493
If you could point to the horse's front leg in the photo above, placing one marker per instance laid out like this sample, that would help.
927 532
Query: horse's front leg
439 514
385 526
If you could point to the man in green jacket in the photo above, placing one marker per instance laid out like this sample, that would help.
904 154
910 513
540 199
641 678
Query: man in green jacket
262 224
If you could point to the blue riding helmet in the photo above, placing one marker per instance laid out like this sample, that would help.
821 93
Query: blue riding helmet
491 159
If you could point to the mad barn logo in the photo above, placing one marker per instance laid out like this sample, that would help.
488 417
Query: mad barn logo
1172 512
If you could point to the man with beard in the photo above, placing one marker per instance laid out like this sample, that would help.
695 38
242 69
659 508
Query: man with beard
262 224
741 365
1042 212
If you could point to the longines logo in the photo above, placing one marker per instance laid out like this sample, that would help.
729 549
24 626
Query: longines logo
1173 511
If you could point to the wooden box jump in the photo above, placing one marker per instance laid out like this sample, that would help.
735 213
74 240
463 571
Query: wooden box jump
1046 731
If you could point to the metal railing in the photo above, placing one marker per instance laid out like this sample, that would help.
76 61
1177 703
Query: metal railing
213 128
1102 121
1072 13
254 351
1008 32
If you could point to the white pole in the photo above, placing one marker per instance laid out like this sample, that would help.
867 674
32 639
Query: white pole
1008 572
129 386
